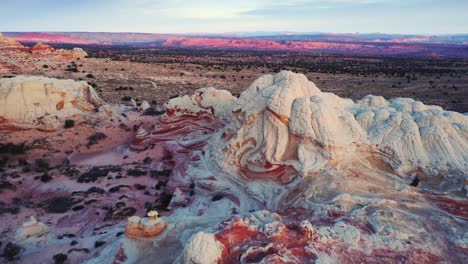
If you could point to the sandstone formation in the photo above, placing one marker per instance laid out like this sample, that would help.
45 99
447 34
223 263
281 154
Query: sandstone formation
10 44
283 174
203 249
44 103
44 49
146 227
31 228
349 170
284 120
40 49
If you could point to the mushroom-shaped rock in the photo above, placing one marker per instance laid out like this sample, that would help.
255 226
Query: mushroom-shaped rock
203 248
31 228
146 227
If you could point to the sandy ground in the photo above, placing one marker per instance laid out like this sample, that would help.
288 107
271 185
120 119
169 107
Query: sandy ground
157 82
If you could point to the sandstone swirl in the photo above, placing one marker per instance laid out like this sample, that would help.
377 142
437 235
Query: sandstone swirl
284 154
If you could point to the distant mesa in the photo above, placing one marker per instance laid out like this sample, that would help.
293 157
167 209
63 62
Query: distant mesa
44 49
11 44
44 103
50 38
361 44
39 49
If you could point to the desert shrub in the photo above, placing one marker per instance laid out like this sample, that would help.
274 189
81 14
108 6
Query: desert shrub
153 112
46 177
95 138
98 243
41 165
60 258
15 149
136 172
118 187
11 250
69 123
58 205
97 172
6 185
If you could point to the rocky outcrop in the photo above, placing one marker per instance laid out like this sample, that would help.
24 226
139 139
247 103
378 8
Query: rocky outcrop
41 48
341 181
44 103
31 228
285 123
203 248
44 49
146 227
10 44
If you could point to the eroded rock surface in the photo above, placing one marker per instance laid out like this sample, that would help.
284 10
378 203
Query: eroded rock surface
44 103
282 174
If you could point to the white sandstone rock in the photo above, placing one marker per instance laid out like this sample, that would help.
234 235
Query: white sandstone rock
203 248
205 100
284 119
144 106
31 228
40 102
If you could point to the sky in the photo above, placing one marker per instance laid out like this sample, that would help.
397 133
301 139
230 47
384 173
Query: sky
221 16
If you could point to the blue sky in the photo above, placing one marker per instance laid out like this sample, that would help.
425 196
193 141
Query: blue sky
218 16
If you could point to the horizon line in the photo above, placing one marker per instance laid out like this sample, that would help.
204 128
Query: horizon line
243 32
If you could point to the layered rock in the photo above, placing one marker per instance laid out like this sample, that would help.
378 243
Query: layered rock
146 227
10 44
205 101
138 144
284 122
41 48
44 103
203 248
44 49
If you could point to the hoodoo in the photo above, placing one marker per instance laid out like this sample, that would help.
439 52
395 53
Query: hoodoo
148 227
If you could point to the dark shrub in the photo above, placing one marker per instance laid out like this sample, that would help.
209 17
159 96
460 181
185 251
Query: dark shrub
11 250
97 172
59 205
136 172
41 165
6 185
98 243
69 123
94 139
153 112
10 148
60 258
46 177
